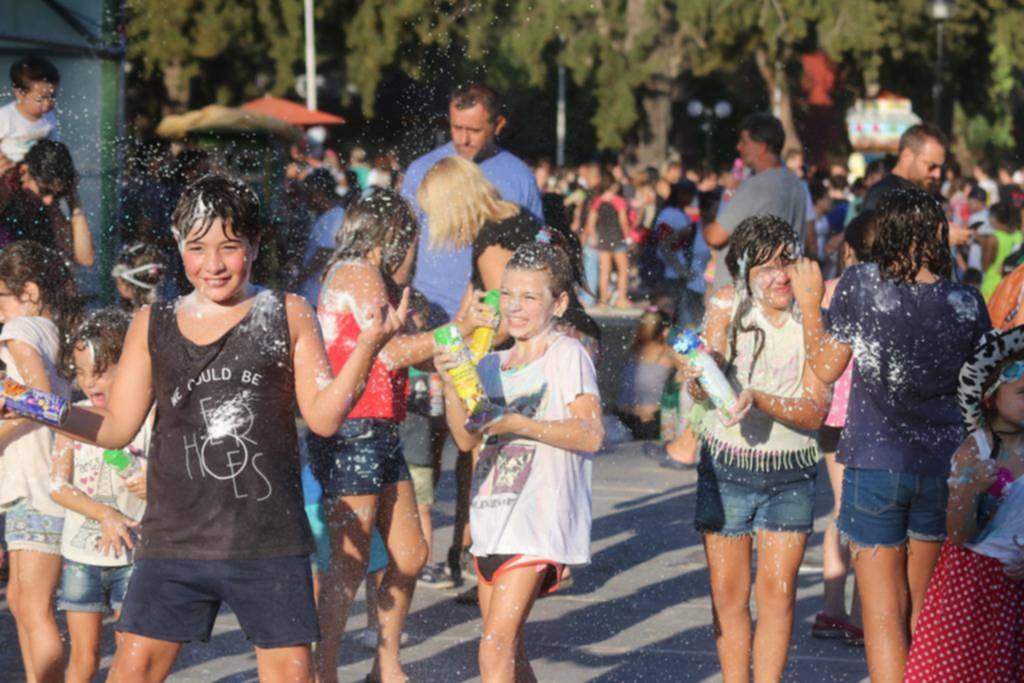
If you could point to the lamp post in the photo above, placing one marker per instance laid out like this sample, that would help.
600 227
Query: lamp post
707 115
940 11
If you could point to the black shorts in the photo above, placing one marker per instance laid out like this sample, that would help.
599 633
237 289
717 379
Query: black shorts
490 567
178 600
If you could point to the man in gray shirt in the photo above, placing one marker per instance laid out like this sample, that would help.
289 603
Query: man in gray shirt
773 189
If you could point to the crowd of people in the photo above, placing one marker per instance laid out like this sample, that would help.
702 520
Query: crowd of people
274 448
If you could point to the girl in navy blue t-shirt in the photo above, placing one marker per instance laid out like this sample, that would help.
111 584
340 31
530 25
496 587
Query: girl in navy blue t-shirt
910 329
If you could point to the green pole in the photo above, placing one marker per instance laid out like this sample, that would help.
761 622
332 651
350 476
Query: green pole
111 152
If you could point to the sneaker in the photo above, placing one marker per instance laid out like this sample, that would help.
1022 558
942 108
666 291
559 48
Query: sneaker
434 576
825 626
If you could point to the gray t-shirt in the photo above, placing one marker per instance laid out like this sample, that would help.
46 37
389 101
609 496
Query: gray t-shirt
776 191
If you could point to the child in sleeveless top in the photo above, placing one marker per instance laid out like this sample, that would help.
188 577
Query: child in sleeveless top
530 510
224 521
971 628
649 366
38 305
758 463
104 500
909 328
361 468
834 621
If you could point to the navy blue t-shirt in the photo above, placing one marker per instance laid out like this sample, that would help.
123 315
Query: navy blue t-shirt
908 342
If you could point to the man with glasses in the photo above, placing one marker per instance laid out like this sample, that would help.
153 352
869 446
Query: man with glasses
921 157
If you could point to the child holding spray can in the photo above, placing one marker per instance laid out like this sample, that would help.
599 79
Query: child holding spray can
530 510
758 449
38 306
104 494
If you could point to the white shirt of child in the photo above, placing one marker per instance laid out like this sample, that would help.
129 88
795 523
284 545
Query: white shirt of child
528 497
92 476
18 134
25 462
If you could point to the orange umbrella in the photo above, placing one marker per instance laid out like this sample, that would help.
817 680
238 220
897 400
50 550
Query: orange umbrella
292 112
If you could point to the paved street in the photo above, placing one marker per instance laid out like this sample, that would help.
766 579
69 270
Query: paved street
640 612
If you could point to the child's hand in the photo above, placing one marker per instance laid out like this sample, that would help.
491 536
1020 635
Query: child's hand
137 486
1015 568
479 315
739 410
508 423
808 286
379 325
116 529
444 361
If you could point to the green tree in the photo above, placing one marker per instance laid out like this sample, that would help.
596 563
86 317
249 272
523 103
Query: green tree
239 48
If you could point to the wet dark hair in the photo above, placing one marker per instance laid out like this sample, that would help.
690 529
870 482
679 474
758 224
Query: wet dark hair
140 261
681 194
860 235
104 330
911 233
217 196
765 128
471 94
382 218
535 257
566 240
31 69
49 163
320 181
753 244
27 261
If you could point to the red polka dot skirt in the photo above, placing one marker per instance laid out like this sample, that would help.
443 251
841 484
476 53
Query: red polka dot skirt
971 628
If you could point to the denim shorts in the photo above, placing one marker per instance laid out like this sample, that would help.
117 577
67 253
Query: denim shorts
882 508
364 456
90 588
732 501
178 600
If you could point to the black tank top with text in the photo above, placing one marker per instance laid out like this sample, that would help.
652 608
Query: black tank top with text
223 480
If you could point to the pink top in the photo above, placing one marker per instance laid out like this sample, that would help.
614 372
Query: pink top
840 399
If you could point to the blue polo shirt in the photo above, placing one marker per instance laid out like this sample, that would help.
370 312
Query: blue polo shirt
442 275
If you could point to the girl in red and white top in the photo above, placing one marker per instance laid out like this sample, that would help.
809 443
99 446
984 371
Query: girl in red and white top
530 511
361 468
607 230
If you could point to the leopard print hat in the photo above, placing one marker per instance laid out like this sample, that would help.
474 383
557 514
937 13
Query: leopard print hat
975 375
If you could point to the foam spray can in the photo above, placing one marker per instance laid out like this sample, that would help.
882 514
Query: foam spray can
34 404
466 380
482 338
712 380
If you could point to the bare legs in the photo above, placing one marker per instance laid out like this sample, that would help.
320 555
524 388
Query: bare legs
505 606
836 555
779 557
620 260
892 584
30 589
351 520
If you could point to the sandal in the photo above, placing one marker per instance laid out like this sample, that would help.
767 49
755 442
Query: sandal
825 626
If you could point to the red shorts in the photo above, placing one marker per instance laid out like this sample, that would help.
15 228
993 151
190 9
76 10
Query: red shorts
489 567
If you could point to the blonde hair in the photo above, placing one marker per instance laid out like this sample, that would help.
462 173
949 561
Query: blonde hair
458 200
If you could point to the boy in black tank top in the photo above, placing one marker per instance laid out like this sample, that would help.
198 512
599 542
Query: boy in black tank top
225 519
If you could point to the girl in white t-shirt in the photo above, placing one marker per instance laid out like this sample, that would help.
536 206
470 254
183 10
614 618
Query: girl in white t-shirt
530 510
37 302
104 493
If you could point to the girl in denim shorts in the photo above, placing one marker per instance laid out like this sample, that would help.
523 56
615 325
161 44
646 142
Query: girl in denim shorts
758 461
909 328
104 497
361 468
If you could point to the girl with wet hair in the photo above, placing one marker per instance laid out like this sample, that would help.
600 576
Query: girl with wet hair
758 461
910 328
38 309
361 468
137 273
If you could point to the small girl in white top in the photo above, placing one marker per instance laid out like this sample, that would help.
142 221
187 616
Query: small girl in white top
104 493
37 302
530 510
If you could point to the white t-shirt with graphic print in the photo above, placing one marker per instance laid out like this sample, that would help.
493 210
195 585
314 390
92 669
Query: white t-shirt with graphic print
528 497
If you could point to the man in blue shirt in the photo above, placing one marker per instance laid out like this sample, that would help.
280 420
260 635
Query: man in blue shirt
476 119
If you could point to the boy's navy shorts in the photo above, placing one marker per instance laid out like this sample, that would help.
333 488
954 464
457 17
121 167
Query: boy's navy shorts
178 600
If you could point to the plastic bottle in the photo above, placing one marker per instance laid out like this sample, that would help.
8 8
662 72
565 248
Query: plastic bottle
482 338
34 404
466 380
126 464
712 380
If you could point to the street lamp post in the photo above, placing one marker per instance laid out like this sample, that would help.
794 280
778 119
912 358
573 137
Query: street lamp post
940 11
707 115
